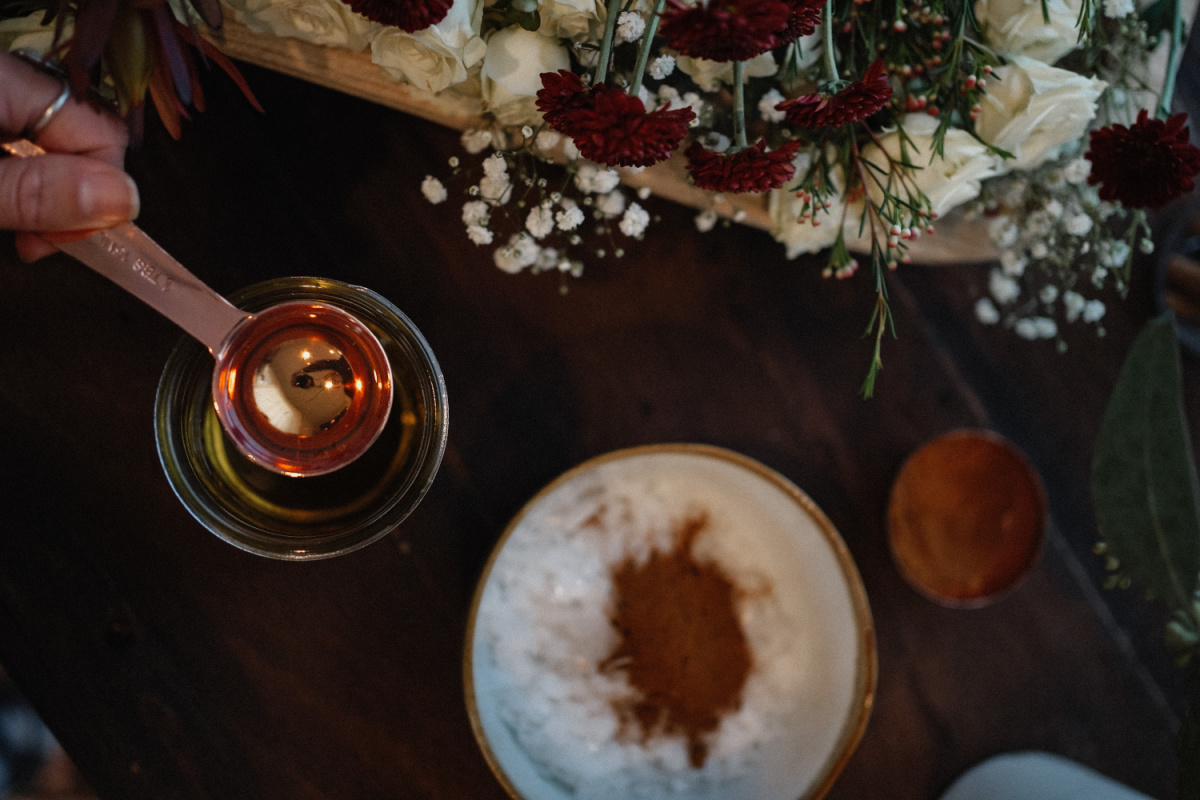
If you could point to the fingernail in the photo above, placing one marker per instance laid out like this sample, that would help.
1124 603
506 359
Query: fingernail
109 197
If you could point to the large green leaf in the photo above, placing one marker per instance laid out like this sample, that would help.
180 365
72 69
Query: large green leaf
1144 486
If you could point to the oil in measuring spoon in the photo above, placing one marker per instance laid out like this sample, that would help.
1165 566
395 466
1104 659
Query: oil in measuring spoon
321 499
304 389
301 390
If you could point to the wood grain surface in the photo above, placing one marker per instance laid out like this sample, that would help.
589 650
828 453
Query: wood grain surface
172 665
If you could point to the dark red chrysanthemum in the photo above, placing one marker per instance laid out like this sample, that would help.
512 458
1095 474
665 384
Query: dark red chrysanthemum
563 93
409 15
1145 165
607 125
749 170
725 30
803 21
856 102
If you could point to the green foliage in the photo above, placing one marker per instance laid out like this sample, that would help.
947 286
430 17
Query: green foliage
1145 493
1144 486
1160 16
504 13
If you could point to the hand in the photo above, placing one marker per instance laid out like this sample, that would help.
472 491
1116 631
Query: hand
79 184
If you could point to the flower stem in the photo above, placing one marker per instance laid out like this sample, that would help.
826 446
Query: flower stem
1173 56
610 29
739 105
827 25
644 49
881 317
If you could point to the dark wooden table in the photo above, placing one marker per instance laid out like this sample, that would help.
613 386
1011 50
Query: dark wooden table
172 665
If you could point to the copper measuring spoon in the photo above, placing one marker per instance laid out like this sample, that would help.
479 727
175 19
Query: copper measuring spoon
301 388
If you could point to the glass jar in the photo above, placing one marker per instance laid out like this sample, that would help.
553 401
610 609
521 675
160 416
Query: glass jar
293 518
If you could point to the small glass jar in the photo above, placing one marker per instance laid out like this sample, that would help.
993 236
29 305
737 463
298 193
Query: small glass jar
292 518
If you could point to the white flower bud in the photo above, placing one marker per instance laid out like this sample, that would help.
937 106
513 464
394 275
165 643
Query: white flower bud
662 67
986 312
433 190
1003 288
635 221
706 220
630 26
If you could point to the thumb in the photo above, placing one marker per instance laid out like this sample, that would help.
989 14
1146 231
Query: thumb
64 193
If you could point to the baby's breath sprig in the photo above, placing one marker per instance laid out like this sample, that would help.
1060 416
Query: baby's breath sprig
541 215
1061 250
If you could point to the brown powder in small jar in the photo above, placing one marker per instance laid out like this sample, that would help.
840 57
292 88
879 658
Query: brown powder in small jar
681 644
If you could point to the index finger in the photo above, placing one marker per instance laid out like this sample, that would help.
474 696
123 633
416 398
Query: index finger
79 129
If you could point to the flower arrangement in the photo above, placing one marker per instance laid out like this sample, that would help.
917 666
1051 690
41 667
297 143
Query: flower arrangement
860 123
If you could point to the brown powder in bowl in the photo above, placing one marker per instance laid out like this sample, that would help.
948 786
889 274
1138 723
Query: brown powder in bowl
681 644
966 518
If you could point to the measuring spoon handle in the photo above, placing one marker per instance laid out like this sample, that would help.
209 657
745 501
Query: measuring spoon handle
129 258
132 260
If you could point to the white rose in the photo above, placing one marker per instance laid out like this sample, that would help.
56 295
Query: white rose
569 19
800 235
1031 110
438 56
1118 9
810 49
512 69
948 180
329 23
1018 27
709 74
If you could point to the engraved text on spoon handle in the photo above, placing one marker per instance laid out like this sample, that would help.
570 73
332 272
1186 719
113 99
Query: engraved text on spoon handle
131 259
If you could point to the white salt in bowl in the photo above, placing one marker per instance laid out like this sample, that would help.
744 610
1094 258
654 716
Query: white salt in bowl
542 711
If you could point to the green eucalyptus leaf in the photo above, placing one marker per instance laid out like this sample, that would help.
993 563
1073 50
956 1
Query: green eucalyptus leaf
1144 486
